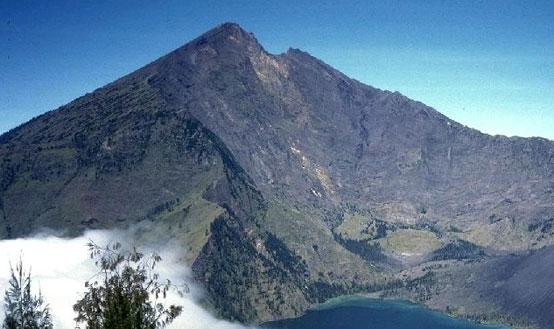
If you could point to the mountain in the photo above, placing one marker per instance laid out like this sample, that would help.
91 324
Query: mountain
288 183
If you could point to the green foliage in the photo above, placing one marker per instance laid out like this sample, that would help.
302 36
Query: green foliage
23 309
126 293
367 251
288 259
230 270
458 249
237 277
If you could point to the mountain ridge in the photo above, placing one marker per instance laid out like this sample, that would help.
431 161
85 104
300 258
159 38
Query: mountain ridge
224 28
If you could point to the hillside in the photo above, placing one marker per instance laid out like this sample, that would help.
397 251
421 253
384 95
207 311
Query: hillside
286 181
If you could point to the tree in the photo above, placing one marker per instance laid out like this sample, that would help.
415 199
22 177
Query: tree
23 309
126 293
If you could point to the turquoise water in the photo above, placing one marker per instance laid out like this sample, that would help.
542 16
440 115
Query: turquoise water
365 313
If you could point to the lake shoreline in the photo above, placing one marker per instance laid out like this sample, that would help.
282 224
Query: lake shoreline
373 303
375 295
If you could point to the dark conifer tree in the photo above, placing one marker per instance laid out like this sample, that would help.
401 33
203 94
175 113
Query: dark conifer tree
23 310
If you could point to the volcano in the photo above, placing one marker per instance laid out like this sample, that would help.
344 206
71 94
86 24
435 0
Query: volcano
287 183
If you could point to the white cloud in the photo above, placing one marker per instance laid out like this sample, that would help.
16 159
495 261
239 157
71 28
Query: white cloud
61 266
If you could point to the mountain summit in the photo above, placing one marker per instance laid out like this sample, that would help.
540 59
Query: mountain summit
287 183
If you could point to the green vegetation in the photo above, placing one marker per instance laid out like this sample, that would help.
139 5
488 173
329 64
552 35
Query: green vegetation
325 258
239 278
187 221
126 293
23 310
285 256
359 227
458 249
371 252
411 242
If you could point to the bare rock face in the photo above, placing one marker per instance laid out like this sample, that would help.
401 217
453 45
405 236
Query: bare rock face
278 168
306 133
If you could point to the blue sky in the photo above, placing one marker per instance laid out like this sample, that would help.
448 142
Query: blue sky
485 64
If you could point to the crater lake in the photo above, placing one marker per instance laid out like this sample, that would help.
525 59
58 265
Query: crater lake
355 312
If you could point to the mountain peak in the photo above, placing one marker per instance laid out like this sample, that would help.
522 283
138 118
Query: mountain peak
225 41
228 33
230 26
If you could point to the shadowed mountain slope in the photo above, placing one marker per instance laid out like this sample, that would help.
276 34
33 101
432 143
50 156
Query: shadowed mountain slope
286 181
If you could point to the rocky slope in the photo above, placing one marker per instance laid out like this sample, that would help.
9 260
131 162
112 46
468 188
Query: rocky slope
286 181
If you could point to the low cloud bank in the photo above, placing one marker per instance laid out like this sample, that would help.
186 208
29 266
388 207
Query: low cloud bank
61 266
